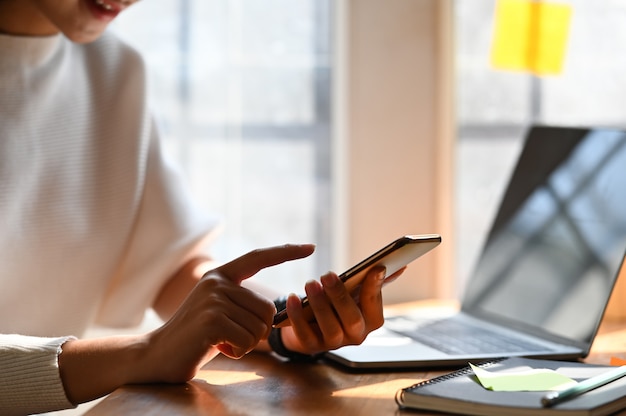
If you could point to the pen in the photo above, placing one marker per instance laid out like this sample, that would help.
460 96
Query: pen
555 397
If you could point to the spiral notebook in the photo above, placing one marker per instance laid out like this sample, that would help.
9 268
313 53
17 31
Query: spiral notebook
460 393
547 269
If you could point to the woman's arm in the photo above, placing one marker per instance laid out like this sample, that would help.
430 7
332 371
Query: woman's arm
218 315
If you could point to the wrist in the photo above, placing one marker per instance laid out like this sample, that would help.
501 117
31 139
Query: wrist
276 343
93 368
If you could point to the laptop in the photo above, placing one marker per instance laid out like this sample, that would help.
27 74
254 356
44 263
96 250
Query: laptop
544 277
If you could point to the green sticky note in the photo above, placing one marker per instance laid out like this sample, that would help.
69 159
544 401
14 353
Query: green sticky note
539 379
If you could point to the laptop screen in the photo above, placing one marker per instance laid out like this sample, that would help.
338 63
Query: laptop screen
556 246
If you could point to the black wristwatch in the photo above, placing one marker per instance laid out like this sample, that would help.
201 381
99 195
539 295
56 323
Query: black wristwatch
276 341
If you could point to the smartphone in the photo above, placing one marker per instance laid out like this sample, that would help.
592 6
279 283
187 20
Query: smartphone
394 256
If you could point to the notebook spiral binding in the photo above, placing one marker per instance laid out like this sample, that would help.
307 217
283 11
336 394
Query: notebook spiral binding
458 373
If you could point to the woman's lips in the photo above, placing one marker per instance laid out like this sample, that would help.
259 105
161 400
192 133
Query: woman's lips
105 9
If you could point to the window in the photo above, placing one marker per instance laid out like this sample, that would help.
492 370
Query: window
243 92
241 89
494 108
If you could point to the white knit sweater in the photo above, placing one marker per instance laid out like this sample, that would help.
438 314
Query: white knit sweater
92 219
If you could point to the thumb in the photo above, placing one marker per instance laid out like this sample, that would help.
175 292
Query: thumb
251 263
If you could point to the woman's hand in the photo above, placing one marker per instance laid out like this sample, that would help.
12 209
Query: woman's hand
341 318
218 315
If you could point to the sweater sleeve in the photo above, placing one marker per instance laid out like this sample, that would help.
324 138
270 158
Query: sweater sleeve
169 230
30 381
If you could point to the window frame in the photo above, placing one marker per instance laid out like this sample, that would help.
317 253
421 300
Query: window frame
394 82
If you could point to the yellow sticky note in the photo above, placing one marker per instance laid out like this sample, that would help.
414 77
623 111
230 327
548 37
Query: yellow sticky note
530 36
511 39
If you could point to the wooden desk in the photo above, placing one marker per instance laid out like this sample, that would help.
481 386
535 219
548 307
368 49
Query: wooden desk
260 384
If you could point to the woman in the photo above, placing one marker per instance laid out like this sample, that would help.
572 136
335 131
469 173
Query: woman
95 227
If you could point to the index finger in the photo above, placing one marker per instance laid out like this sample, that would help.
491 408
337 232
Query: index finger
256 260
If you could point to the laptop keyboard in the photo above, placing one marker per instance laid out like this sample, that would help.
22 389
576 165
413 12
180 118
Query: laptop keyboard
453 337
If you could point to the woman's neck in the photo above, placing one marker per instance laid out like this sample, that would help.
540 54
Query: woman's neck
21 18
